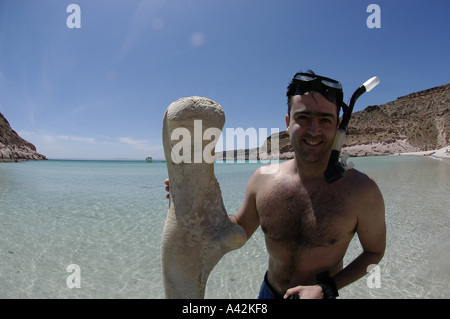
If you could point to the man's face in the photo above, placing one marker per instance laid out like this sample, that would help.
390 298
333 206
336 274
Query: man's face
312 126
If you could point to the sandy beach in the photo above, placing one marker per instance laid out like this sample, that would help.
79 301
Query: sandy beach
440 153
400 147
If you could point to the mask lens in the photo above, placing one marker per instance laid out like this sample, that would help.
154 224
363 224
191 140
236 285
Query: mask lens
330 96
304 78
332 84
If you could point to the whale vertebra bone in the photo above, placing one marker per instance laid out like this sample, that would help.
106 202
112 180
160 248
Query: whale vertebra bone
197 232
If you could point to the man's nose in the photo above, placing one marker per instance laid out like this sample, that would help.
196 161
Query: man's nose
314 128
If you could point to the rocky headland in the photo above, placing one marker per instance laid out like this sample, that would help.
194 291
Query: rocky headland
416 122
13 148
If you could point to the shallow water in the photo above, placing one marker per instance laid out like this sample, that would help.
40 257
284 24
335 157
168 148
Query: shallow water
107 218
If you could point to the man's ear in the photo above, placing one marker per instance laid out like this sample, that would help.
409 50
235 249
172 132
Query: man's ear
287 123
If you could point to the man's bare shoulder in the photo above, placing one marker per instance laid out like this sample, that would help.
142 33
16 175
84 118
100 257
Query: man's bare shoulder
272 171
359 181
266 175
364 189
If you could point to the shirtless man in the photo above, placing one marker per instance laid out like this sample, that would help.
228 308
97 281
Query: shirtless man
308 223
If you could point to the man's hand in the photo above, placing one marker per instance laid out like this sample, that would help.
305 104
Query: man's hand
305 292
167 188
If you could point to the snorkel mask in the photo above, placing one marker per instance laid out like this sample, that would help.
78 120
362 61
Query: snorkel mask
332 91
329 88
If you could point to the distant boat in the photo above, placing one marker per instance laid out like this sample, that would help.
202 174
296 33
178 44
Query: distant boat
429 154
148 159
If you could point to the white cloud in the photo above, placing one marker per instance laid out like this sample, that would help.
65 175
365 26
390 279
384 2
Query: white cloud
80 139
80 147
142 145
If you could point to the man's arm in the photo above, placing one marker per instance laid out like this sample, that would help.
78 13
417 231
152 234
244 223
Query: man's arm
247 216
371 230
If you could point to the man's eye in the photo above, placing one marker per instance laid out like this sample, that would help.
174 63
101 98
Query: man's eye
325 121
302 118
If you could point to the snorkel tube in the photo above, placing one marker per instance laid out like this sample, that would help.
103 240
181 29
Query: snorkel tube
336 169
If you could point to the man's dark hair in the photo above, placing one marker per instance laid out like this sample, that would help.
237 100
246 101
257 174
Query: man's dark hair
292 87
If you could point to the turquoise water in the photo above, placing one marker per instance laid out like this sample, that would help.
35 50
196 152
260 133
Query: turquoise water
107 218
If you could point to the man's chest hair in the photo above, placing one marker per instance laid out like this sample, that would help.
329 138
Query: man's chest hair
304 217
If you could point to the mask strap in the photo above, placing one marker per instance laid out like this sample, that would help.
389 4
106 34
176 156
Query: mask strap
345 108
317 85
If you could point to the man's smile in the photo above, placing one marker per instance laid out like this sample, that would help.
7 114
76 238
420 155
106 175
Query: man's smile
312 142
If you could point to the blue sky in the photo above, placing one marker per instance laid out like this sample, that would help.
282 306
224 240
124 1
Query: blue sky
100 91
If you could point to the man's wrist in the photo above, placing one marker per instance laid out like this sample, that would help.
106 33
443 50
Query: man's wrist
328 285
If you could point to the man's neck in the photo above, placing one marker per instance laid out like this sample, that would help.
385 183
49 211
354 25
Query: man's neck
309 171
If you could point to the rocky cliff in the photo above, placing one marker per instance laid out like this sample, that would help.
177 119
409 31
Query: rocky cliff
13 148
416 122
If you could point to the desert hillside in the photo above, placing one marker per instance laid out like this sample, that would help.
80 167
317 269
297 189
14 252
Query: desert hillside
13 148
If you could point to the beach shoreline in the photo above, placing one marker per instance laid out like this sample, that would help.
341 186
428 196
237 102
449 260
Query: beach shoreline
401 147
443 153
371 149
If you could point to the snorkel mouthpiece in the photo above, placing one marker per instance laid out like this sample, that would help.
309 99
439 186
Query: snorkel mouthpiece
335 169
371 83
